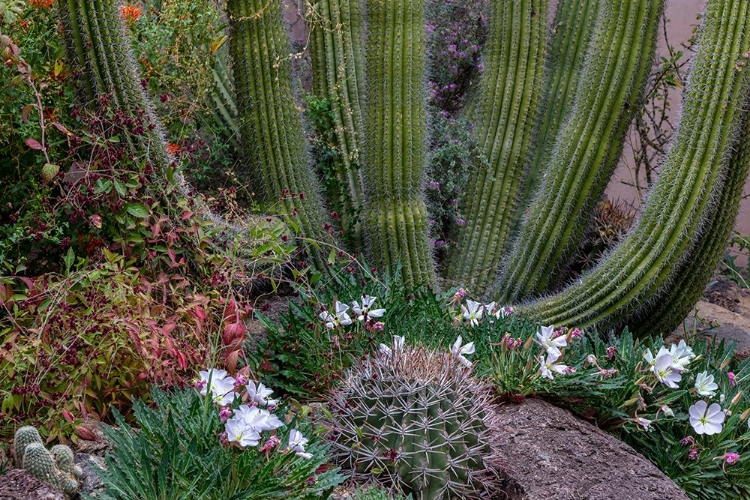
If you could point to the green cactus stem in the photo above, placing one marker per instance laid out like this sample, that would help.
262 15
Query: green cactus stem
502 111
395 217
336 39
417 420
609 94
688 280
63 456
572 31
40 464
639 269
273 139
24 437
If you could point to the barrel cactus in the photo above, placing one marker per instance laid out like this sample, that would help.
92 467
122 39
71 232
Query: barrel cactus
417 421
54 467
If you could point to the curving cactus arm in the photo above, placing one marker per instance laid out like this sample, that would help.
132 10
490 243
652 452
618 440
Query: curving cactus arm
691 178
586 149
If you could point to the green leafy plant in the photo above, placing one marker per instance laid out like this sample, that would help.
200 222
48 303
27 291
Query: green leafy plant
175 453
734 271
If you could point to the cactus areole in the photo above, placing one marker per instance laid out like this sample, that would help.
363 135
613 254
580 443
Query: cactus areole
549 113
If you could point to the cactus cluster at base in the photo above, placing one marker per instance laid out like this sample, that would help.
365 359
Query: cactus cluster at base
54 467
418 421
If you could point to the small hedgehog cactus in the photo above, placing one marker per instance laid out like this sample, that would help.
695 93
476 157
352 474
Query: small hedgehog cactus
417 421
54 467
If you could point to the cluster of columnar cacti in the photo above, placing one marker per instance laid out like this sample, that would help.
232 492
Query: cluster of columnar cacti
550 117
54 467
416 420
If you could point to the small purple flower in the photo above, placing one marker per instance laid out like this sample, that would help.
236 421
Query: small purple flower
224 439
272 443
433 185
439 244
693 454
732 380
576 333
687 441
240 382
460 293
460 221
731 457
225 413
611 352
200 384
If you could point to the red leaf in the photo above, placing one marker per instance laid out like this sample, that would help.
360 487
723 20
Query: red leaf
34 144
68 416
85 433
186 215
62 129
25 112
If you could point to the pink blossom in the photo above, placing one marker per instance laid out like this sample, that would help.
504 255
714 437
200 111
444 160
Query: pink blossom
732 381
731 457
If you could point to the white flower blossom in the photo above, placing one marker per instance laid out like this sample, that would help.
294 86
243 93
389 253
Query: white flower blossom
221 386
240 432
459 351
260 394
339 318
643 422
681 354
667 410
297 444
665 372
548 366
472 312
706 419
398 344
364 311
552 345
705 385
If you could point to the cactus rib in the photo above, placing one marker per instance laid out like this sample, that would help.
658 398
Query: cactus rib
673 217
502 112
395 216
608 95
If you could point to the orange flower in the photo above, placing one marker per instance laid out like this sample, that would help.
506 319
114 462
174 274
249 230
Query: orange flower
130 13
172 148
41 4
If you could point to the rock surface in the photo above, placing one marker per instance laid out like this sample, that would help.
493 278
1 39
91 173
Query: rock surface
724 312
552 454
90 481
20 485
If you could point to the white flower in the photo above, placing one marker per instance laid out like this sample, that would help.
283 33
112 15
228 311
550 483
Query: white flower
459 351
297 444
665 372
548 366
552 345
221 386
472 311
591 359
667 411
398 344
706 419
339 318
257 418
364 311
490 309
643 422
260 394
682 354
240 430
705 385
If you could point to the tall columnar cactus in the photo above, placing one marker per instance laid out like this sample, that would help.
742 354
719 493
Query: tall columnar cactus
502 110
54 467
418 420
273 138
572 30
395 147
336 44
99 44
609 91
691 180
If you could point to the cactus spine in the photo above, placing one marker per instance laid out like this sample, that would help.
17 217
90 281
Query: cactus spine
54 467
672 219
395 110
617 68
273 138
417 420
503 111
336 38
572 30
